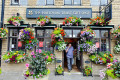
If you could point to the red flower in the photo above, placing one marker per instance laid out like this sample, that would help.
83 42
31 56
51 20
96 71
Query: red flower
14 18
67 21
38 18
32 37
30 41
63 23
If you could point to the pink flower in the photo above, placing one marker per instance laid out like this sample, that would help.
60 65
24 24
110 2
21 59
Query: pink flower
40 50
32 53
52 57
36 50
34 56
109 65
47 57
27 65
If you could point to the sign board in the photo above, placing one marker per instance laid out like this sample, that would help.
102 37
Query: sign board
59 12
108 12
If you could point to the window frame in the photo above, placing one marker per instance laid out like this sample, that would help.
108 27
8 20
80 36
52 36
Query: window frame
72 3
98 5
50 4
15 4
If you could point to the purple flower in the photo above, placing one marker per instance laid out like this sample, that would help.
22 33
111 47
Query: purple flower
32 53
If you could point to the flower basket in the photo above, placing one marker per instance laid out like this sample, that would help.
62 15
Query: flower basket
3 33
87 71
59 70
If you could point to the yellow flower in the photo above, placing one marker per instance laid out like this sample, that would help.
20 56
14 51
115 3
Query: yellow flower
15 53
104 55
6 30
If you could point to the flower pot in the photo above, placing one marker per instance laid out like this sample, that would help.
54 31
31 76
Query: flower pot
87 75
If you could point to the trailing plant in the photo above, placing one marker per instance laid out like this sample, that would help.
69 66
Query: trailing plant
72 21
27 37
99 20
16 20
3 33
59 69
42 21
0 71
14 56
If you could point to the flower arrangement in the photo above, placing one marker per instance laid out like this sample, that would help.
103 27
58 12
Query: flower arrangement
57 39
102 58
41 20
87 70
37 66
99 20
14 56
59 69
27 37
117 32
72 21
117 48
16 20
3 33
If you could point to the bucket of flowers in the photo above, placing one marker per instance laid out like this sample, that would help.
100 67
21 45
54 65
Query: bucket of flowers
57 39
27 37
87 71
16 20
3 33
99 21
72 21
37 65
59 70
42 21
14 56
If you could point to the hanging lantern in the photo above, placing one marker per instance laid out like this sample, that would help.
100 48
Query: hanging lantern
19 44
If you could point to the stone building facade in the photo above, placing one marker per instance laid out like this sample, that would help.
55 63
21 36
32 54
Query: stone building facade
21 9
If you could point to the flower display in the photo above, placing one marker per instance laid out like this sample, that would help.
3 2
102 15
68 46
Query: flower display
27 37
72 21
99 20
3 33
16 20
14 56
117 32
37 65
102 58
117 48
87 70
41 20
57 39
59 69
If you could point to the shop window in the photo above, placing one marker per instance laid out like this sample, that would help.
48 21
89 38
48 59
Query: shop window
14 2
76 33
72 2
45 2
13 40
24 2
98 2
68 33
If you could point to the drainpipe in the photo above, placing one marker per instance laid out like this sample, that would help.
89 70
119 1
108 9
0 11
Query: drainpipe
1 26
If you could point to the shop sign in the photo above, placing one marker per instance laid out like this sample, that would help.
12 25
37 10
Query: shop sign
108 12
59 12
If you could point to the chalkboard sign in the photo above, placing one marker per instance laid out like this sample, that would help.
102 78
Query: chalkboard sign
59 61
87 62
108 12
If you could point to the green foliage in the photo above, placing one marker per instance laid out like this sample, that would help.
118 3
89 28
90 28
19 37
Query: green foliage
59 69
111 73
87 70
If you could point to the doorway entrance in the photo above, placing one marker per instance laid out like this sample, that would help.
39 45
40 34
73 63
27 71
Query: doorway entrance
76 62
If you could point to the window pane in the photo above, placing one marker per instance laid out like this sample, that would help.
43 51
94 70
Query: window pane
95 2
68 33
104 2
76 33
13 44
50 2
40 33
104 45
77 2
13 32
48 32
97 32
23 2
104 33
48 45
41 2
68 2
15 1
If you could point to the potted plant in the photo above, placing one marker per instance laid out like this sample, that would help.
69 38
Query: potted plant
14 56
42 21
59 70
72 21
99 21
3 33
27 37
87 71
16 20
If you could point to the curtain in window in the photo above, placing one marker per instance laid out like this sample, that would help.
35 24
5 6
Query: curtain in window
50 2
95 2
24 2
67 2
77 2
40 2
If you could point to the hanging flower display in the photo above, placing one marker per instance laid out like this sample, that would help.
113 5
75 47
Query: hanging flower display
117 48
72 21
37 66
16 20
3 33
14 56
27 37
42 21
99 20
57 39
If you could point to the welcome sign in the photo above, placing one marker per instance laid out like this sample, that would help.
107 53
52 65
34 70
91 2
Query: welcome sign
59 12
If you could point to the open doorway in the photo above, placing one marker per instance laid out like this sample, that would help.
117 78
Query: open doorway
74 42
